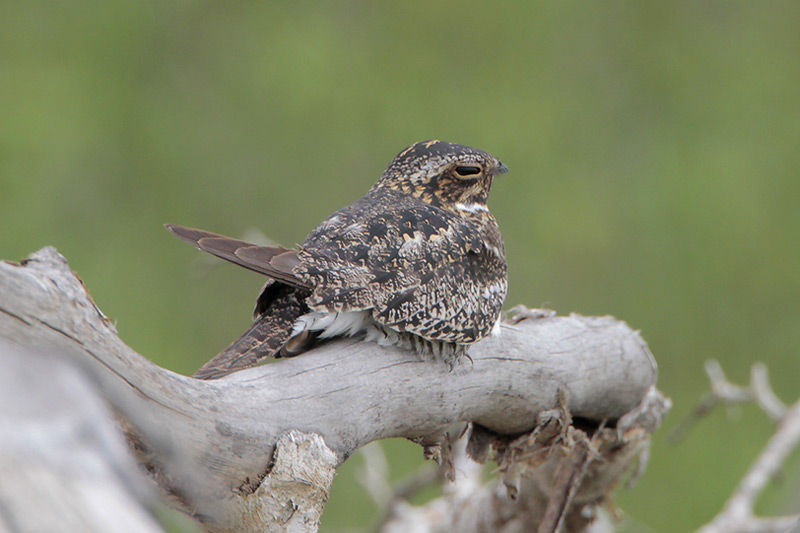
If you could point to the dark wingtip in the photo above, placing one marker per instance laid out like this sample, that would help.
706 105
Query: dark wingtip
189 235
175 229
194 233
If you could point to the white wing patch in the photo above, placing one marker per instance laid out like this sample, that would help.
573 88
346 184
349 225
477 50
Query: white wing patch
347 323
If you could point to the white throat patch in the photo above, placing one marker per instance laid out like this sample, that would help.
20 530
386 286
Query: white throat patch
471 208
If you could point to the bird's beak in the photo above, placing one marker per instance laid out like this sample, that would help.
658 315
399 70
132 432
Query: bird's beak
500 168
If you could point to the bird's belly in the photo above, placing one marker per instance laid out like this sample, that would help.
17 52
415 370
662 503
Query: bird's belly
346 323
352 323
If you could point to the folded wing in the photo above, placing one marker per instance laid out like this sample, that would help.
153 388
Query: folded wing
274 261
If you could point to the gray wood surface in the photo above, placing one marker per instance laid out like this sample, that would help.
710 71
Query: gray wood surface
211 445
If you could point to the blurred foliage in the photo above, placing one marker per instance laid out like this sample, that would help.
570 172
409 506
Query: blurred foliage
653 149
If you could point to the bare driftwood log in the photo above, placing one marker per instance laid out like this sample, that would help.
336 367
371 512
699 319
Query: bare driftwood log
257 450
64 465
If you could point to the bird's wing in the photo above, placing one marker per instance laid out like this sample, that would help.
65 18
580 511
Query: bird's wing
274 261
415 266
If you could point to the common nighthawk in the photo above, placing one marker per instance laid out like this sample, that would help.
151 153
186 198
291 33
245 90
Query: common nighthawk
418 261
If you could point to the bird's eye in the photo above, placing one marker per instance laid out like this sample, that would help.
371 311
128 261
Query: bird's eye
467 171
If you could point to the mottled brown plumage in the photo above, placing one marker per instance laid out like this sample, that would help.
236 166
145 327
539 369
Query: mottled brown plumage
418 261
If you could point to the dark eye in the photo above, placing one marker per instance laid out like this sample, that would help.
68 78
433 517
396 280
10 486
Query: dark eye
467 171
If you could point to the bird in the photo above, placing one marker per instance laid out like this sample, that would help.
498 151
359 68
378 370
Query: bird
418 262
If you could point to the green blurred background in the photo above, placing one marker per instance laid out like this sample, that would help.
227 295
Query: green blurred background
653 147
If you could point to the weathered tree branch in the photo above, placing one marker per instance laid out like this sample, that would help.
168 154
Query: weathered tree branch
64 465
727 393
257 450
738 516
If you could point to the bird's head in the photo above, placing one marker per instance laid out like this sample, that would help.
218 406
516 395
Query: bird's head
448 175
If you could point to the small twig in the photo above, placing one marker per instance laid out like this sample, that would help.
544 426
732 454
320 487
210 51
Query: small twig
722 388
374 477
518 313
725 392
424 477
641 465
570 472
737 515
568 479
763 394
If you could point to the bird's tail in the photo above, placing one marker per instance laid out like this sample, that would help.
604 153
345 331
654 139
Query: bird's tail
257 343
269 336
